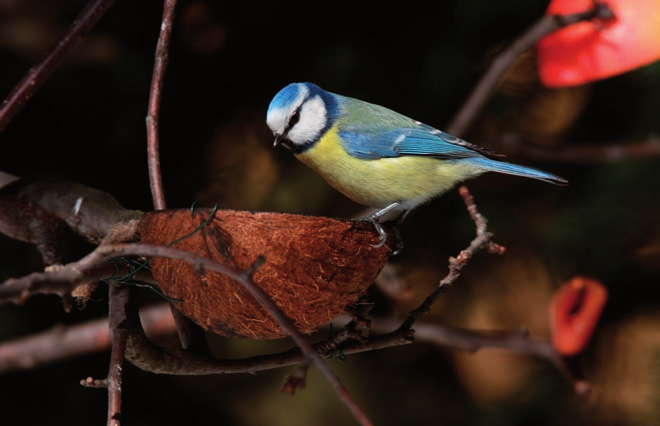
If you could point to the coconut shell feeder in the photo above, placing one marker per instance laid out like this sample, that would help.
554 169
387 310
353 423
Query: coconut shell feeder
314 267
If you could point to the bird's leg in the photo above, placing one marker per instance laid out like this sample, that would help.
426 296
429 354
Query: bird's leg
398 244
402 216
375 219
378 215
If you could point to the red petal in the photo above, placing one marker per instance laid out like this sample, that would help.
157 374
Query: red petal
574 313
591 51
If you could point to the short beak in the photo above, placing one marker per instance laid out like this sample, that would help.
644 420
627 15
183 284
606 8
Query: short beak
278 139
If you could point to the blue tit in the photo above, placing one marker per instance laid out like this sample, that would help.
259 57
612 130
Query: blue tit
375 156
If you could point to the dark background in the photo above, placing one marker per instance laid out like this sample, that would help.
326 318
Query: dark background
228 59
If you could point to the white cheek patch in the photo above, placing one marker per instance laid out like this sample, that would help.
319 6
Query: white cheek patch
313 118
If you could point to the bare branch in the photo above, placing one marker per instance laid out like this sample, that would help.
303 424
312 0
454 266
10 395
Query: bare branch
61 343
456 265
481 93
91 382
90 213
24 90
475 340
587 153
190 334
58 280
119 331
157 80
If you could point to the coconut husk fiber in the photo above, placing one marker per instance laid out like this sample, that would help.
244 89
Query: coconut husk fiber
314 267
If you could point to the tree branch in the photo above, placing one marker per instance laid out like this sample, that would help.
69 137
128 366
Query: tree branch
65 342
153 116
38 74
119 331
547 24
587 153
190 334
457 264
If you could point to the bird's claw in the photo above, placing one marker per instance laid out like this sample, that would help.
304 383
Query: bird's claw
398 243
375 219
381 233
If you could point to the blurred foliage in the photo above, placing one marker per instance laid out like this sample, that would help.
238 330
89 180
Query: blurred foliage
228 59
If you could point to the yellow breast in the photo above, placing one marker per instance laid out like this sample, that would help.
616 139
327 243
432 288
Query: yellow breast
410 180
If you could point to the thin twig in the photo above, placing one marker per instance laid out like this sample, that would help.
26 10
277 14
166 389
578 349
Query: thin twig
66 342
456 265
287 326
474 340
587 153
147 356
190 334
119 303
59 280
547 24
91 382
153 115
40 72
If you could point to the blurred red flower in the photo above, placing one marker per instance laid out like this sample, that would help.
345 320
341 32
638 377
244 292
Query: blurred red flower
593 50
574 313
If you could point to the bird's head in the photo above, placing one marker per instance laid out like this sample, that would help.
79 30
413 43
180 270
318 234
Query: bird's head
299 115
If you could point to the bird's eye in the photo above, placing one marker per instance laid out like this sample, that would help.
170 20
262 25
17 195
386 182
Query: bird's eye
294 118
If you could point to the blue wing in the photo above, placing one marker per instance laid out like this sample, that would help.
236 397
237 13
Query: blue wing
418 140
371 131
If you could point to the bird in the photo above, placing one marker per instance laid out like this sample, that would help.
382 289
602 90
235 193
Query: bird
376 156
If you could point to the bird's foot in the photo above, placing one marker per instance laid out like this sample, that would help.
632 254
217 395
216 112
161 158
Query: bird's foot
398 241
381 233
376 220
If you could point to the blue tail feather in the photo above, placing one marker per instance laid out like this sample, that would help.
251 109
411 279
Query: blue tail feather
513 169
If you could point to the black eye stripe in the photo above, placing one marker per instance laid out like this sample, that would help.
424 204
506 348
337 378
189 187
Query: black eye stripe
295 117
